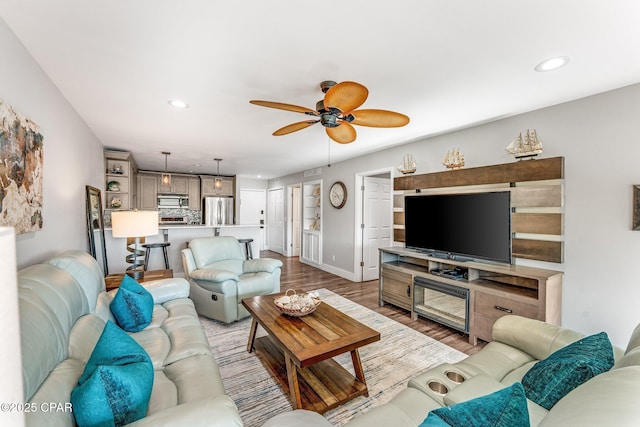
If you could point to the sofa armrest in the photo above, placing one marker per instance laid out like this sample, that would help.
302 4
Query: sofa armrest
188 262
482 385
213 275
477 386
164 290
534 337
257 265
219 411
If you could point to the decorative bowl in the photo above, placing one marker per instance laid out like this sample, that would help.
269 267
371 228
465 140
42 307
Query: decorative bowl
113 186
297 304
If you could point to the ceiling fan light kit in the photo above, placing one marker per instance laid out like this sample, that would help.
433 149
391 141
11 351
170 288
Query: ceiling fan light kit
337 112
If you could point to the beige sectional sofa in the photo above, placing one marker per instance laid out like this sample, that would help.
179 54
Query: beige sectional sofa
610 398
63 310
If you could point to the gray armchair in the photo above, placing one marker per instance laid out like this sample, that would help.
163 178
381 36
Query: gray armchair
220 277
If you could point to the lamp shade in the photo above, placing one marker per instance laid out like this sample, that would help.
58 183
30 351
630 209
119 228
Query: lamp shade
134 223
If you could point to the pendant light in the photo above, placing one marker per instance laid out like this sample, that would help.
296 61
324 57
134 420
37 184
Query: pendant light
218 180
166 176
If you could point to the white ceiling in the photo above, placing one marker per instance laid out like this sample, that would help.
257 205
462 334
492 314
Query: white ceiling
447 64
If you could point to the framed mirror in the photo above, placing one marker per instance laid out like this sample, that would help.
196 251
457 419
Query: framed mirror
95 227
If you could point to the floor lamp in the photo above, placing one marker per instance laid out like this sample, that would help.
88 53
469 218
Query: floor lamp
134 224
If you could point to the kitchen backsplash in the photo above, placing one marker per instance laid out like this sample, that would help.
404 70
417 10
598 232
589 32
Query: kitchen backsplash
193 217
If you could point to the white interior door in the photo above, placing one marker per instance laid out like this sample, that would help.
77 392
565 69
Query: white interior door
275 220
253 206
378 225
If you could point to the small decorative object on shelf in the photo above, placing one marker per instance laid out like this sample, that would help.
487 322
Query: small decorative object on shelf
297 304
526 148
116 203
315 225
116 169
454 159
408 165
113 186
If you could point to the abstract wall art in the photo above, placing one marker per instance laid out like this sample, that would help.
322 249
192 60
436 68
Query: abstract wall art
21 164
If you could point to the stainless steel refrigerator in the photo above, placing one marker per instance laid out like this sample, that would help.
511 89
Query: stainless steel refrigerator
218 210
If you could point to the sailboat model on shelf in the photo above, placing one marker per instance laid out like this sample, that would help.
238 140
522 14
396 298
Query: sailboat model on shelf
454 159
526 148
408 165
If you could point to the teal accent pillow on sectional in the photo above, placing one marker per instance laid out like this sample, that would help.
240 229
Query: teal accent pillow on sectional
504 408
551 379
116 384
132 306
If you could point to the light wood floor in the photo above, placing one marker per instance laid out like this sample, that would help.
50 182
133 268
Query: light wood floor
301 276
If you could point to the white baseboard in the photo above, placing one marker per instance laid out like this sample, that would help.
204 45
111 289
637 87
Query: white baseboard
349 275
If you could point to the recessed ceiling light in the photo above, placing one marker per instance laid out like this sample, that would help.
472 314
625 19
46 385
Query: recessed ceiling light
197 165
552 63
178 103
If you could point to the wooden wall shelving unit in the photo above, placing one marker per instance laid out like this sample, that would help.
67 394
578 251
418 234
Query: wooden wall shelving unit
537 219
537 201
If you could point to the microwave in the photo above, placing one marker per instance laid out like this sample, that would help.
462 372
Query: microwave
173 201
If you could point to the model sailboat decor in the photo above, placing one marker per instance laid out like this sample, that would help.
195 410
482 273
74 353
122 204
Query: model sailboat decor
527 147
408 165
454 159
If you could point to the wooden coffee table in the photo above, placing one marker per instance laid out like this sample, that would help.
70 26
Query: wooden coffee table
299 351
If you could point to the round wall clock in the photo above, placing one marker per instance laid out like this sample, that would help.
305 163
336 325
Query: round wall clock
338 195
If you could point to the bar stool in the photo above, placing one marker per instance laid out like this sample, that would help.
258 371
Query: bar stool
149 246
247 247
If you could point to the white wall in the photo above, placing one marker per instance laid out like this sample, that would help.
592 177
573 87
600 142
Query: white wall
72 153
598 136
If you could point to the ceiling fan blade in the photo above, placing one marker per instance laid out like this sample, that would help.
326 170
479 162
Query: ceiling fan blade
343 134
288 107
295 127
346 96
379 118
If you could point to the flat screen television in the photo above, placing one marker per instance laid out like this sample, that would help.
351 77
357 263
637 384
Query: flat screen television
473 225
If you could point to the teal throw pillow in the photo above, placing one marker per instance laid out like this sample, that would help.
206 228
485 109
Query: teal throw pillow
116 384
504 408
551 379
132 306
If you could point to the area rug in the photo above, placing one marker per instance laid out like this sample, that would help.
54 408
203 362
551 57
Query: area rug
401 354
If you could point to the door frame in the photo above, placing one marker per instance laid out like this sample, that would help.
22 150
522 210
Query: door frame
289 218
359 212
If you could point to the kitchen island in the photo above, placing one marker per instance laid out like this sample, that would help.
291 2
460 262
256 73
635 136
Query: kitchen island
179 236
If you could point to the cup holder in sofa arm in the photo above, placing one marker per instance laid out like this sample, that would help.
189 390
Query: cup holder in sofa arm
438 381
438 387
455 377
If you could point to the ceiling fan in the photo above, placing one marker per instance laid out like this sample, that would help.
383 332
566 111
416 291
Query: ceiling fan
337 112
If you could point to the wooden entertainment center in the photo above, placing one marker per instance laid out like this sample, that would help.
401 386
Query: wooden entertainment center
488 290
